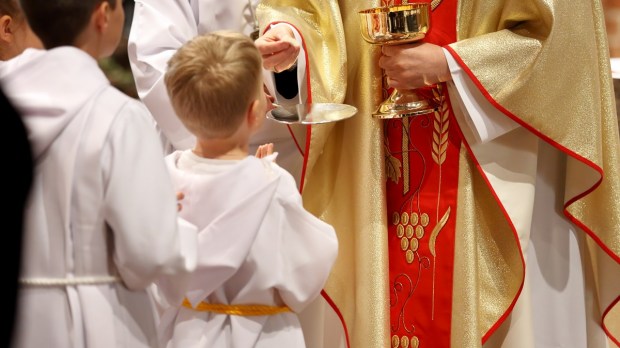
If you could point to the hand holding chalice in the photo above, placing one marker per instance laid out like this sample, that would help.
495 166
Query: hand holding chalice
394 25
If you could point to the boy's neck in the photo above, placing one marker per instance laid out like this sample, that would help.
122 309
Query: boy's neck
220 149
89 43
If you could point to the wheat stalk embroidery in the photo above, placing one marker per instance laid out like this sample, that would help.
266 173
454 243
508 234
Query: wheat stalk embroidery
441 125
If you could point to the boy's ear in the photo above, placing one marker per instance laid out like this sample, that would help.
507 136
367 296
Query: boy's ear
101 16
252 113
6 32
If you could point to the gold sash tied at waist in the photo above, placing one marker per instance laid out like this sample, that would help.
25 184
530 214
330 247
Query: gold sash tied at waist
241 310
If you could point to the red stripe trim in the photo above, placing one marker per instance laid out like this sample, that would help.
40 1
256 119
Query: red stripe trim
335 308
503 317
301 152
607 332
308 100
305 166
560 147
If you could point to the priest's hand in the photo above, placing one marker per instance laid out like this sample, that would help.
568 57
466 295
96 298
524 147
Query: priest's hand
270 99
279 48
411 66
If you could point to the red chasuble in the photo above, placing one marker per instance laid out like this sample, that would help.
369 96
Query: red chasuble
422 156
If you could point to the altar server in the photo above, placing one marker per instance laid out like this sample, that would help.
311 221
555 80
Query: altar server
263 257
101 223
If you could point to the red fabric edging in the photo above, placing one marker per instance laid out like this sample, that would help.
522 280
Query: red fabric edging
305 165
570 153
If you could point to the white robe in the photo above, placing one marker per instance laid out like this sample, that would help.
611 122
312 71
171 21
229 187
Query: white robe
160 27
258 245
98 211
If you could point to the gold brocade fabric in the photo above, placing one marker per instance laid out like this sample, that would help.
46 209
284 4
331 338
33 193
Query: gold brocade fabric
547 63
514 69
345 180
487 265
544 62
346 175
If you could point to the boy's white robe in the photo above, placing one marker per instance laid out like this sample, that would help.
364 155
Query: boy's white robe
127 221
257 245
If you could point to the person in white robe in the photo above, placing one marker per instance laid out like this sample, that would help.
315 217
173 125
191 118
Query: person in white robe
101 223
263 257
160 27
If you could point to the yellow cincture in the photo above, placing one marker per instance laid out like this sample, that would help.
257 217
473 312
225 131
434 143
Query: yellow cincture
242 310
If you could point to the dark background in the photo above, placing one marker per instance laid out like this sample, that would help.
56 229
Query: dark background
117 66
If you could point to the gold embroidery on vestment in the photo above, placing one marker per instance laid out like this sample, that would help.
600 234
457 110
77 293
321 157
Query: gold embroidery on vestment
405 342
405 149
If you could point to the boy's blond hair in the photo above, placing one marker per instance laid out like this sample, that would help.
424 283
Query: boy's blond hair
211 81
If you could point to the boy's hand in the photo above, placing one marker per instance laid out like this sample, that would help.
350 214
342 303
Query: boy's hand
279 48
180 197
264 150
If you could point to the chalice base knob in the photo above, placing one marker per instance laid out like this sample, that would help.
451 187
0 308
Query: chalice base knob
405 104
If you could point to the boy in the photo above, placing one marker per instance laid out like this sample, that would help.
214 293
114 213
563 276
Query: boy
160 27
101 222
15 33
263 256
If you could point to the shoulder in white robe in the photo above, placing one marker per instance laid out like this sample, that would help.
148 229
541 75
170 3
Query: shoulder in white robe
121 224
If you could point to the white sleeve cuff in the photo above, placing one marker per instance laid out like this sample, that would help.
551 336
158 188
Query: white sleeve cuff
486 122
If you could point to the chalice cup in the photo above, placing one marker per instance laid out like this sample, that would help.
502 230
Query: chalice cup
395 25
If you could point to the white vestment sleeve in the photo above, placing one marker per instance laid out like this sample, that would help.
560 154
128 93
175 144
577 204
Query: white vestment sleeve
158 29
615 68
485 121
142 212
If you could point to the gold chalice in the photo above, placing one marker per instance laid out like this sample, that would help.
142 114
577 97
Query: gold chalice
394 25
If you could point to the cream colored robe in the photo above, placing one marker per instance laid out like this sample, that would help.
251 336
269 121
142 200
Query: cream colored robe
544 65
